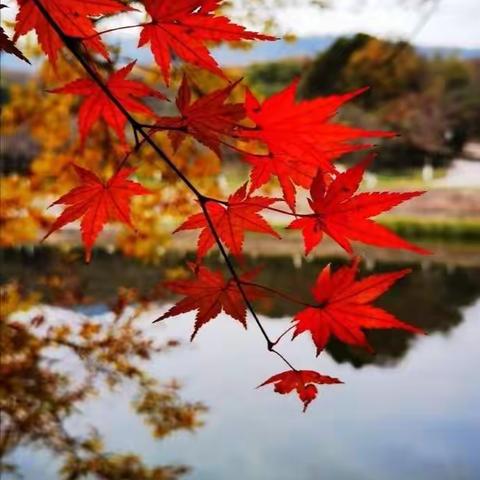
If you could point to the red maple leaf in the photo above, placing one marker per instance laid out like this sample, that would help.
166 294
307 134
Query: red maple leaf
208 118
182 28
344 216
209 293
344 307
97 202
289 171
300 135
73 18
97 105
231 220
302 381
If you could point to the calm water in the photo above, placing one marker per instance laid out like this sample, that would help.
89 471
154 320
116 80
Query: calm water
410 412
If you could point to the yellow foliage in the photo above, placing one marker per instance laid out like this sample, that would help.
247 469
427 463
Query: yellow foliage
13 301
38 396
20 217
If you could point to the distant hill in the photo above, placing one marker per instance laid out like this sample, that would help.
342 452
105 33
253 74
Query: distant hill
260 52
271 51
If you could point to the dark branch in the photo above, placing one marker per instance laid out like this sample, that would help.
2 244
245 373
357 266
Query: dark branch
72 45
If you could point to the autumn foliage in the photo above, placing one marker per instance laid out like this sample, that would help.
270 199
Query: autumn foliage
97 202
296 142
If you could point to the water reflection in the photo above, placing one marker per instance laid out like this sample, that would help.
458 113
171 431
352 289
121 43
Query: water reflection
431 297
417 420
53 365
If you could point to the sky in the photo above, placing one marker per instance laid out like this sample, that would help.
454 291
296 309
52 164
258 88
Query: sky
454 23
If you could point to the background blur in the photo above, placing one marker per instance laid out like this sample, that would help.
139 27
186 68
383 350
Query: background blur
90 387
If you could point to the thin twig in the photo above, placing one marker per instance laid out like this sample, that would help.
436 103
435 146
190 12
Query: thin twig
233 272
283 334
110 30
286 296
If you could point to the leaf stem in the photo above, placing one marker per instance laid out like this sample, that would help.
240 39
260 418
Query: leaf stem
286 296
110 30
283 334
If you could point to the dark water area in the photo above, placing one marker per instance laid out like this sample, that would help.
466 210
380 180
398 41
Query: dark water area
409 411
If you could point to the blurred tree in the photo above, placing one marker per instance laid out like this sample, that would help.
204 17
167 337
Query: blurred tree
38 395
432 103
387 68
324 77
269 78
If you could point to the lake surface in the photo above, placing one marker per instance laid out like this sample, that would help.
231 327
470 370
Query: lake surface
409 412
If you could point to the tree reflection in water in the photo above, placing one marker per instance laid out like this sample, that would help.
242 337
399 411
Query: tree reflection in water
49 369
431 297
38 395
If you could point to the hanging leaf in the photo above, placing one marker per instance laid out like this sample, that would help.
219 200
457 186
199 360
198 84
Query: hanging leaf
208 118
97 105
74 18
344 216
231 221
300 135
344 307
302 381
208 293
183 27
97 202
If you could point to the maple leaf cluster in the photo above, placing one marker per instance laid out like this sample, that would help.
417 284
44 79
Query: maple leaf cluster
296 142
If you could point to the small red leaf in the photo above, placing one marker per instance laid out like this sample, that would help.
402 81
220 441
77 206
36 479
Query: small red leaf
231 221
72 16
303 381
8 46
97 104
183 27
208 118
209 293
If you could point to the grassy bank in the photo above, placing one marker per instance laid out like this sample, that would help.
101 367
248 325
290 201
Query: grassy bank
448 229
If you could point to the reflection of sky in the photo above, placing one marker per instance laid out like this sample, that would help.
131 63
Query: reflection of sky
419 420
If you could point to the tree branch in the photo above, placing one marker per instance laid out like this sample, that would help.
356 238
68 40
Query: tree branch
72 45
